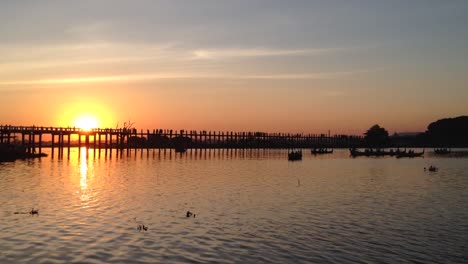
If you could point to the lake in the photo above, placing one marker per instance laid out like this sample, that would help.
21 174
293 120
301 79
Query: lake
250 206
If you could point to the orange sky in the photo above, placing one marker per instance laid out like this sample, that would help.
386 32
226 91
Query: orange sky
234 66
235 108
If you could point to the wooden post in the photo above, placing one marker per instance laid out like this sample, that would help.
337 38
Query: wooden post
33 145
147 140
40 142
105 141
68 144
87 142
53 143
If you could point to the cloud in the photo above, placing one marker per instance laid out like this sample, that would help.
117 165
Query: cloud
254 52
155 61
21 57
317 75
163 76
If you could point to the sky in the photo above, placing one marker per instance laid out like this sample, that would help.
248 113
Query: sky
272 66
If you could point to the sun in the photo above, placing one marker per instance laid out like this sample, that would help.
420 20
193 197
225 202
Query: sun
86 122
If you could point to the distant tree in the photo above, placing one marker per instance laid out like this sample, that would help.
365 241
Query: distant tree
449 132
376 137
126 125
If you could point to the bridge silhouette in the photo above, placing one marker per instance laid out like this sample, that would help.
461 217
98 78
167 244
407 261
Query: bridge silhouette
34 138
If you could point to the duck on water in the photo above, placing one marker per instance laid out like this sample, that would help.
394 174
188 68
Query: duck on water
32 212
432 169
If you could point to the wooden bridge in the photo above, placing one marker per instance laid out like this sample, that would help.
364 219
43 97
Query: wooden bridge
38 137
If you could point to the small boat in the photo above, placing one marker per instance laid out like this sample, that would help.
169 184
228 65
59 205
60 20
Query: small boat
316 151
396 152
295 155
355 153
442 151
12 152
367 152
180 149
410 154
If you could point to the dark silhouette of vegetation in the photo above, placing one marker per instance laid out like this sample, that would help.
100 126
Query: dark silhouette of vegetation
181 143
376 137
448 132
126 125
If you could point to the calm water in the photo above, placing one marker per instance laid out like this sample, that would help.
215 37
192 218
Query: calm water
250 206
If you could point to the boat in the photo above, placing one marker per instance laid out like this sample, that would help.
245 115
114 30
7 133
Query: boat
180 149
396 152
12 152
316 151
295 155
410 154
368 152
442 151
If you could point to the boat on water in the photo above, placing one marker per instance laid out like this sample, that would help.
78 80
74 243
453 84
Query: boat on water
180 149
12 152
410 154
376 152
396 152
367 152
317 151
295 155
432 169
442 151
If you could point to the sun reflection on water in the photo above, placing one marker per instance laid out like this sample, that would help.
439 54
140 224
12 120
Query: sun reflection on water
84 174
83 169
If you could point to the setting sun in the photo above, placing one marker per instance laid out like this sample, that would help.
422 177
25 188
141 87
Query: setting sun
86 122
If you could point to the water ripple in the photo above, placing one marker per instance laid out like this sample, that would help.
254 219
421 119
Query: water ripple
252 207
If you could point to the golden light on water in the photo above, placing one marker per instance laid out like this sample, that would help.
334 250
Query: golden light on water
83 169
86 171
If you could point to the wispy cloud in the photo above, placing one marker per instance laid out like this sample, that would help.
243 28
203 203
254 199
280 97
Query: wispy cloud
165 76
254 52
318 75
19 57
155 61
333 93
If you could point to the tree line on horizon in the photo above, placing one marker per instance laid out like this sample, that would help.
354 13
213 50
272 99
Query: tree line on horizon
447 132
